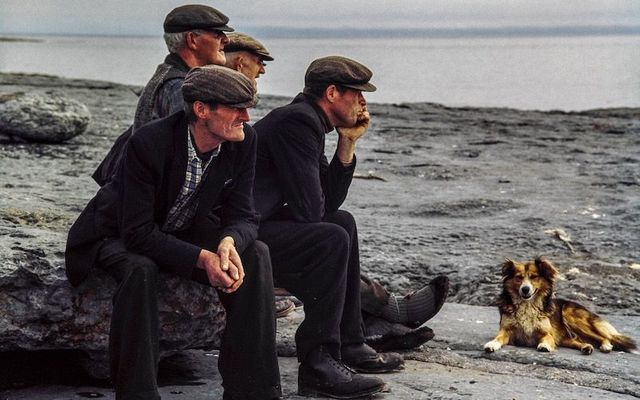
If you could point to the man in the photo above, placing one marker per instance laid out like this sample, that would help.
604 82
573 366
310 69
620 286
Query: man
246 55
391 321
182 203
313 244
195 36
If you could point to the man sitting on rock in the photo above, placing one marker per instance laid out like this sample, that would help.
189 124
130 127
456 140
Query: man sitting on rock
313 244
391 321
181 202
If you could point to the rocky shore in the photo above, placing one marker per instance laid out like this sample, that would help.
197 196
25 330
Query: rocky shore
442 191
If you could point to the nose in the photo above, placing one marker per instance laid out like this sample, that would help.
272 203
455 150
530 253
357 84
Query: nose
243 115
223 38
361 99
525 289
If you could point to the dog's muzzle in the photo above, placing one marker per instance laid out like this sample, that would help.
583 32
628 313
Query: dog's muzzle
526 291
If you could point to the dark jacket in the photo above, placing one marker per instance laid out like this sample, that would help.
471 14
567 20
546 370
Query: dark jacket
291 167
161 95
134 204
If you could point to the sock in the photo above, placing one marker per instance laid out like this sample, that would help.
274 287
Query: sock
418 307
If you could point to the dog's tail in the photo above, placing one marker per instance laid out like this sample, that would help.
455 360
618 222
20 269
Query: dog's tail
624 343
593 328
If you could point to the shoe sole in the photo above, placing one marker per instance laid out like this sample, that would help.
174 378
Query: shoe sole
286 311
308 392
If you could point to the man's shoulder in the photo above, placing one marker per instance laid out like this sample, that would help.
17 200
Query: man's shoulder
296 113
162 129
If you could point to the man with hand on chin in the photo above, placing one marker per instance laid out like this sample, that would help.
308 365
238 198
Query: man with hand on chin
182 203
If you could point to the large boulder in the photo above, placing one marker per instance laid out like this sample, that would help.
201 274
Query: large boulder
40 310
48 118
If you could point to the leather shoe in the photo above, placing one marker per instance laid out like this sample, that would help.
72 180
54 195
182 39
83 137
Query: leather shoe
320 374
362 358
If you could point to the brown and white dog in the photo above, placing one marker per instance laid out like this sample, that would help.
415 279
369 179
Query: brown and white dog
531 316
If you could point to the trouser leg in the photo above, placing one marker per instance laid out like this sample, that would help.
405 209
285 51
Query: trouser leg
351 331
311 260
373 296
133 336
248 361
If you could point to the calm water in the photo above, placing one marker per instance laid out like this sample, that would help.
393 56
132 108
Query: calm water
567 73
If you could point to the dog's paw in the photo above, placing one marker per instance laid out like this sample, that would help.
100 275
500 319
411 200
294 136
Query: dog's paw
586 349
545 347
492 346
606 347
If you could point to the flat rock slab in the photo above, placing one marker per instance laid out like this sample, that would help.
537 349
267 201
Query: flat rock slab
451 366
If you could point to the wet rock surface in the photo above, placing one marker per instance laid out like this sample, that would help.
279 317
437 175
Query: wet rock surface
47 117
447 191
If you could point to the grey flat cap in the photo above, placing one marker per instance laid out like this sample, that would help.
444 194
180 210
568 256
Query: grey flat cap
195 16
219 85
240 41
339 71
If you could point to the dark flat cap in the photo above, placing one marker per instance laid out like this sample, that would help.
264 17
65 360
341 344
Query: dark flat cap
219 85
341 71
195 16
242 42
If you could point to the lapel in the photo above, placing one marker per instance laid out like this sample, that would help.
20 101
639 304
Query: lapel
177 162
219 172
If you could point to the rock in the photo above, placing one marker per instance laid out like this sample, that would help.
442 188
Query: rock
49 118
39 310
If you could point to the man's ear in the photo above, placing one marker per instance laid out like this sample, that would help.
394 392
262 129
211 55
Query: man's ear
190 40
330 93
200 109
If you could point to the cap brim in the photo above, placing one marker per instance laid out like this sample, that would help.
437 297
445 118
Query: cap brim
224 28
265 57
245 104
365 87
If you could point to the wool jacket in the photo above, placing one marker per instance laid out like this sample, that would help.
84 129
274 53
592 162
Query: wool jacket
294 179
134 205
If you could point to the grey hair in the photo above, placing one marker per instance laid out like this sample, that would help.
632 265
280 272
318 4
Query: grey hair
176 41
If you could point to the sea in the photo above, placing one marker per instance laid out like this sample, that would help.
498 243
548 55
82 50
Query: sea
550 72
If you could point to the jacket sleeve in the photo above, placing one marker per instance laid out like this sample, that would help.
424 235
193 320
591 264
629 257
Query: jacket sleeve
336 179
239 216
141 175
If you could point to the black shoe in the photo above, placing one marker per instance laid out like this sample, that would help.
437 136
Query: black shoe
320 374
362 358
383 335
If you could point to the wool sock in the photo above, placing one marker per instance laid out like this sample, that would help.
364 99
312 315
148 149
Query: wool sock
418 307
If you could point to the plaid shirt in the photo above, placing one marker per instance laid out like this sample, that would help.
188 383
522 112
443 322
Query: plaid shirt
184 208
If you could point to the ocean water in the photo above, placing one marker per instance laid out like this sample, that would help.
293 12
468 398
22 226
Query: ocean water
544 73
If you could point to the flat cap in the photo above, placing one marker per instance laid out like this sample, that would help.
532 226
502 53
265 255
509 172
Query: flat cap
339 71
219 85
240 41
195 16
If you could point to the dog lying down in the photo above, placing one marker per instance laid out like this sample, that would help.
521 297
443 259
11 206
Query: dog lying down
531 316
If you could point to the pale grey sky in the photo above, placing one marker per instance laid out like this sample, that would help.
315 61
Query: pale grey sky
144 17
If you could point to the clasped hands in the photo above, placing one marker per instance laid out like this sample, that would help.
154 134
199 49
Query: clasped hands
224 268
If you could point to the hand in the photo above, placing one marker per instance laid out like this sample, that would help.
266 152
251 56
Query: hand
231 263
355 132
210 262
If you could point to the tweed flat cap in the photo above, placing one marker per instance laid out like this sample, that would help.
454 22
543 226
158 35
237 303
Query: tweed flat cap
219 85
195 16
339 71
240 41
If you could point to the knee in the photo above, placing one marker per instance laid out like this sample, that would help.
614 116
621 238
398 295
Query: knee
257 262
337 238
142 270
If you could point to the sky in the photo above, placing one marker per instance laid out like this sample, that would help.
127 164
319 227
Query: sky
145 17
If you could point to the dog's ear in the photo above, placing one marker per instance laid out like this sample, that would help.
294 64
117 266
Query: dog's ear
546 269
508 268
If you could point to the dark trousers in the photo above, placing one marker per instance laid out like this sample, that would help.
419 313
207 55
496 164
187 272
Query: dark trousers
319 263
248 362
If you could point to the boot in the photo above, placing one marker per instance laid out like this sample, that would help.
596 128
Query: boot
320 374
362 358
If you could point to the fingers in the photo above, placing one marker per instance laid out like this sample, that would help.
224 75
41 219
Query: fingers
223 253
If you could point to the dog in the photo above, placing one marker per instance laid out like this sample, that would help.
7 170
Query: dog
531 315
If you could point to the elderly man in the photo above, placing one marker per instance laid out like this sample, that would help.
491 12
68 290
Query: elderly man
246 55
182 203
313 244
195 36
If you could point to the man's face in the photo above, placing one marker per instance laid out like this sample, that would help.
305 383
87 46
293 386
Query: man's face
225 123
348 107
211 47
255 66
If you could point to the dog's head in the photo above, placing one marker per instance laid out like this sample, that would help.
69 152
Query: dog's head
528 280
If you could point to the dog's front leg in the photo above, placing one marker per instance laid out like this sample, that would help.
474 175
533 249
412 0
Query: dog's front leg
547 343
500 340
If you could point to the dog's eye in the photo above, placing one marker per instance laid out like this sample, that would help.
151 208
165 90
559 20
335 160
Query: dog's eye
518 277
533 276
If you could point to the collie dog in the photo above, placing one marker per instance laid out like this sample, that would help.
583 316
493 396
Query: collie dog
531 316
